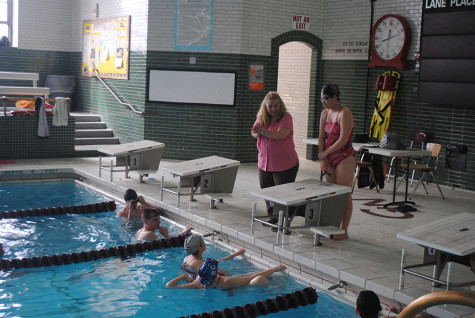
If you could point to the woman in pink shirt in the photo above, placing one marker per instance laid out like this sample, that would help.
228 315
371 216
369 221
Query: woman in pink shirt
277 161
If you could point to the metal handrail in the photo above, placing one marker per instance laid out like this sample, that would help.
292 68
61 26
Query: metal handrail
96 74
437 298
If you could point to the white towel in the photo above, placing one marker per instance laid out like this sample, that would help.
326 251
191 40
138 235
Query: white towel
60 115
43 130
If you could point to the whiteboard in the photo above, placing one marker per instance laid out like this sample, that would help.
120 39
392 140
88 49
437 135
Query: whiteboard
191 87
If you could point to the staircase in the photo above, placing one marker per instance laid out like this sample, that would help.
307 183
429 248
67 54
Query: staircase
91 134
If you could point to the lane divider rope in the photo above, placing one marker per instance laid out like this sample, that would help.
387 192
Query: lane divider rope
304 297
86 256
77 209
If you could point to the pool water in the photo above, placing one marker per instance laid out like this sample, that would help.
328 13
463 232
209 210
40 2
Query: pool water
113 287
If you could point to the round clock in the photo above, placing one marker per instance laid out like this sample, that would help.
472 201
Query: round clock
389 42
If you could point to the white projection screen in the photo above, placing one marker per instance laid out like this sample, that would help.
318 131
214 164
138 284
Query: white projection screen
192 87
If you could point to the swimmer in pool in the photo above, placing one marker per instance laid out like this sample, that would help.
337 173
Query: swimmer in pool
151 223
195 246
134 208
209 277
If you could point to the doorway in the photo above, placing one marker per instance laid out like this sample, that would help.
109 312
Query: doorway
312 45
293 85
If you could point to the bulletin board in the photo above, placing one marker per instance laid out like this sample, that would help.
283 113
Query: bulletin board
106 47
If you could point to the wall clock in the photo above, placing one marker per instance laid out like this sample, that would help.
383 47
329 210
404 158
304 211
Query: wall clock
390 38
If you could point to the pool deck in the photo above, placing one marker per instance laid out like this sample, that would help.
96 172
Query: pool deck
369 259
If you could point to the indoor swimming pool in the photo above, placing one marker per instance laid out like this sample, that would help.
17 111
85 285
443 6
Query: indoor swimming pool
131 286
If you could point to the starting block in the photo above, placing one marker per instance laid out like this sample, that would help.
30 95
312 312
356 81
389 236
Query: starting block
216 197
326 231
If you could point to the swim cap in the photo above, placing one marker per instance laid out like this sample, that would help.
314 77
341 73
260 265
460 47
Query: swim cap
192 243
130 194
208 271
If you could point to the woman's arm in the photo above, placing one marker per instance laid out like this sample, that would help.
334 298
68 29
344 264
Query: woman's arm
238 252
321 140
284 128
275 134
321 131
173 283
254 133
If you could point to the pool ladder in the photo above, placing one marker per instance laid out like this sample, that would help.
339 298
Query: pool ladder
341 284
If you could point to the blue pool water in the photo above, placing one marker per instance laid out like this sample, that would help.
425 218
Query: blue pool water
113 287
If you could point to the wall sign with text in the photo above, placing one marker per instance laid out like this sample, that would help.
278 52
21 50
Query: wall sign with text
300 22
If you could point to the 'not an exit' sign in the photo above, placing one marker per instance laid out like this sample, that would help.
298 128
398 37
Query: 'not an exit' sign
300 22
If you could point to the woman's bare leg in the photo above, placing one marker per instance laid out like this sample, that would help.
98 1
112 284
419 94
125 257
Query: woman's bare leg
330 176
344 175
235 281
259 281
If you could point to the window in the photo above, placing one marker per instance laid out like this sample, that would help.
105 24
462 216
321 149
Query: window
6 18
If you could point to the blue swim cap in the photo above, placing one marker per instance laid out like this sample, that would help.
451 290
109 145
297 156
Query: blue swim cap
208 271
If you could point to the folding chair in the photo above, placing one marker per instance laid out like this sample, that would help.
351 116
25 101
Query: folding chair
364 164
414 137
429 168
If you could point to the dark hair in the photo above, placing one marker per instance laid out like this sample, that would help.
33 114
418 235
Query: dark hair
331 90
368 304
130 194
149 213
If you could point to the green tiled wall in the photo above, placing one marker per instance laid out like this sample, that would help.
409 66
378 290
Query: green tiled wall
19 139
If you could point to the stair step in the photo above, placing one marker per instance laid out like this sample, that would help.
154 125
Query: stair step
87 117
93 133
97 141
91 125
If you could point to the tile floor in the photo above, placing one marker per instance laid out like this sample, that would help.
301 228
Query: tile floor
369 259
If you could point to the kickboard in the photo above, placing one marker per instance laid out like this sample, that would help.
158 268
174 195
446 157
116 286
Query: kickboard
387 85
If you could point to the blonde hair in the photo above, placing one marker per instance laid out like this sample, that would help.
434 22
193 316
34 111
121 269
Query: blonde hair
263 116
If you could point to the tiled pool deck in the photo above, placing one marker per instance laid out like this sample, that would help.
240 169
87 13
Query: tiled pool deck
369 259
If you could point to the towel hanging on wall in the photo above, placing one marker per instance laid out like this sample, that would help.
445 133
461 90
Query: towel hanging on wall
60 115
43 130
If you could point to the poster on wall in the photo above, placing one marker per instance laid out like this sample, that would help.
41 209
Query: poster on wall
106 47
193 25
256 77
